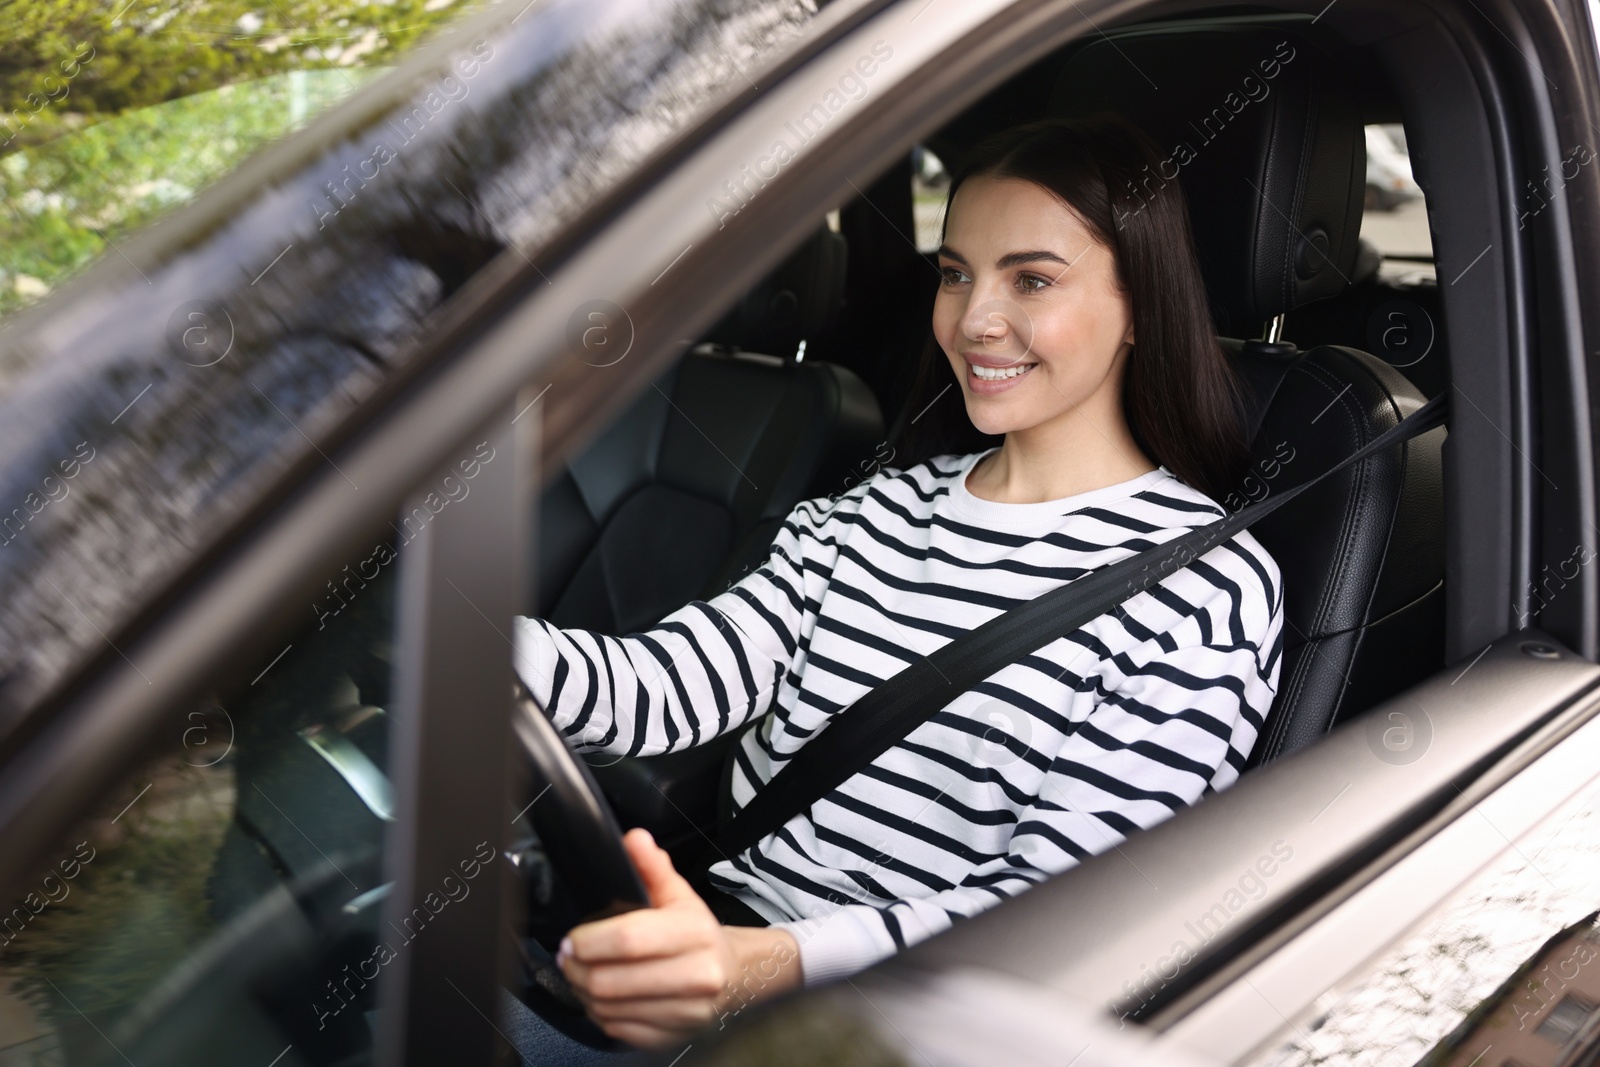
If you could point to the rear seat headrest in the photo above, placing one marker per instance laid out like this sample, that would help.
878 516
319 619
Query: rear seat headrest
1264 138
799 300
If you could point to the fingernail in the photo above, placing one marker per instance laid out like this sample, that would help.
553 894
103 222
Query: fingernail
564 952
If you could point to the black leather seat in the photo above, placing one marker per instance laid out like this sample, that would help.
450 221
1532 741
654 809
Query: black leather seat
1274 176
688 488
685 492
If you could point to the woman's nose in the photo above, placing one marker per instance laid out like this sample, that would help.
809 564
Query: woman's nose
988 321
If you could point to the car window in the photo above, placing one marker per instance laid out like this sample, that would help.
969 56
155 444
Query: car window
116 113
245 853
71 199
1395 215
146 404
930 180
1507 971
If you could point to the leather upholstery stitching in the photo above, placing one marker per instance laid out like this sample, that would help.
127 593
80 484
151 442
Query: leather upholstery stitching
1279 731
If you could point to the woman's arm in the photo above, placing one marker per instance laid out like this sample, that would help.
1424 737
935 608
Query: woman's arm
705 669
1166 731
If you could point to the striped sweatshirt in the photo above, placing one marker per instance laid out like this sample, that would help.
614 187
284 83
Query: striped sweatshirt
1054 758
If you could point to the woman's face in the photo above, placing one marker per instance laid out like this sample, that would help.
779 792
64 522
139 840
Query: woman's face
1028 310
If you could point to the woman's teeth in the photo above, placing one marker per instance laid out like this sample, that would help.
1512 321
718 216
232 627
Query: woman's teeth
995 374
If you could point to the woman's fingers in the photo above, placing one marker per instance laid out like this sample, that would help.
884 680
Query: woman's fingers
642 934
666 1013
667 888
642 1036
652 975
697 975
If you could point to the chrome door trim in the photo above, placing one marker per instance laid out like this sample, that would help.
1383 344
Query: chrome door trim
1260 1004
363 776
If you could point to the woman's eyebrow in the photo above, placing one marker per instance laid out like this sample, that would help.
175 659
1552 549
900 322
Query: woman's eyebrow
1010 259
1013 259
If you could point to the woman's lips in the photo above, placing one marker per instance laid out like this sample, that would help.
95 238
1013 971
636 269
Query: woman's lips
991 386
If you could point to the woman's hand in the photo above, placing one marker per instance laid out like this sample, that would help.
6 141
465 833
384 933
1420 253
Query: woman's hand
653 976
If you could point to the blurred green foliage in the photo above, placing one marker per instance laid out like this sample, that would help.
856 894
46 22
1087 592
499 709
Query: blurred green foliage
67 63
135 910
65 200
114 111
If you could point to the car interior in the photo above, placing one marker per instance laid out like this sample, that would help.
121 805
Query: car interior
820 352
801 389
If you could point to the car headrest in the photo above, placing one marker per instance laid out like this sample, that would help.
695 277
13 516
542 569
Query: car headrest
799 300
1263 137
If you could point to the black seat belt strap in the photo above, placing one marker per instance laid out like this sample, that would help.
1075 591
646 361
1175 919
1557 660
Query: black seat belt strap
896 706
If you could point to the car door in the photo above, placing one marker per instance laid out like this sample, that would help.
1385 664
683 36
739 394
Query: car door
654 236
319 293
1476 947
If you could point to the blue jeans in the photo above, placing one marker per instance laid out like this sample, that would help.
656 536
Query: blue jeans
541 1045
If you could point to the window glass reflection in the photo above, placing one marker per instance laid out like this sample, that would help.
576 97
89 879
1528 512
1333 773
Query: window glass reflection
1507 973
219 892
143 410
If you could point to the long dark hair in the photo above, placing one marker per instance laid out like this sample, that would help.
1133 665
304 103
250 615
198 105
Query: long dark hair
1182 398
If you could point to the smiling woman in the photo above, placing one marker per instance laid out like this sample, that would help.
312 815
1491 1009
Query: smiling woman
1055 757
1052 337
1111 308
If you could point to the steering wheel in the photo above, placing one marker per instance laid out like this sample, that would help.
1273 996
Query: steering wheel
582 840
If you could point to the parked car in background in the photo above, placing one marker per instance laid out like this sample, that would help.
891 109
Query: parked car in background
1389 180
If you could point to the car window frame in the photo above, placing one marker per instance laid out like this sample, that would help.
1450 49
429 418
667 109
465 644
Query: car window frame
99 725
254 569
1482 824
1558 695
238 599
451 758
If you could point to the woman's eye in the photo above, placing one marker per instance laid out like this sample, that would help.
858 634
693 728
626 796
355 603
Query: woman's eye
1026 283
951 275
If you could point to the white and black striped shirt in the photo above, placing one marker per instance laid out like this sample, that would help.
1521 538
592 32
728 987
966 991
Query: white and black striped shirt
1054 758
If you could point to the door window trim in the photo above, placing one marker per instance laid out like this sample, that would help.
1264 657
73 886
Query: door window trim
1484 825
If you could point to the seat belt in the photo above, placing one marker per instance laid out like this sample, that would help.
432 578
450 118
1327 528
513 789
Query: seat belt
899 704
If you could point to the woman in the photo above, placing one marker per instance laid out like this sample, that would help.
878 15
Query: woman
1099 418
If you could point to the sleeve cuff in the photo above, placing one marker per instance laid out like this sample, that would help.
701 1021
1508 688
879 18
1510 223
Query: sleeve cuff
530 647
839 944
